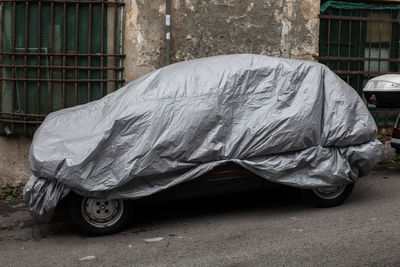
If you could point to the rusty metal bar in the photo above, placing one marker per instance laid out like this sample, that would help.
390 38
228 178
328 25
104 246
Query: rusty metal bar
1 58
102 50
39 57
356 18
13 121
66 67
23 115
117 3
89 50
338 49
369 51
359 54
356 72
398 64
359 58
386 120
76 51
349 50
63 80
390 36
13 31
329 36
65 52
385 111
25 60
115 43
380 45
51 57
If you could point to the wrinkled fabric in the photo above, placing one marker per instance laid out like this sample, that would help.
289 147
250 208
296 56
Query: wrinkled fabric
289 121
43 196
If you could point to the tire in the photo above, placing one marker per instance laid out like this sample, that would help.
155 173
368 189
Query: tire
327 197
99 217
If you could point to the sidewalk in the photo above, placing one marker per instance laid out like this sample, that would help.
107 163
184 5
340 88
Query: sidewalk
14 215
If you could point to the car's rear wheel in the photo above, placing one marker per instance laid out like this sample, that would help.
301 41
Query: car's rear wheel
100 216
326 197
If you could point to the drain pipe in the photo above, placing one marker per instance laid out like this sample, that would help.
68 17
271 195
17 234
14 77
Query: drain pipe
167 32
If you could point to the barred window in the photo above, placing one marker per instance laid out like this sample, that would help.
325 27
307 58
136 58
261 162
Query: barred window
56 54
359 44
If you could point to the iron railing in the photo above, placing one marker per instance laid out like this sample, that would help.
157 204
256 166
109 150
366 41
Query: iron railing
56 54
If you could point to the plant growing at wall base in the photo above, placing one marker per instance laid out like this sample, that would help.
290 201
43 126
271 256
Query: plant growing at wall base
11 194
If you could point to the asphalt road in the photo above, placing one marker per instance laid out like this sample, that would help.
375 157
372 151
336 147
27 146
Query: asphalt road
269 228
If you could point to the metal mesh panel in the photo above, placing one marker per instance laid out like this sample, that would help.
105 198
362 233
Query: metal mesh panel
359 44
56 54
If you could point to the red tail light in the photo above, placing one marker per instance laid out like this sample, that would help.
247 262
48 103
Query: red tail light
396 133
372 99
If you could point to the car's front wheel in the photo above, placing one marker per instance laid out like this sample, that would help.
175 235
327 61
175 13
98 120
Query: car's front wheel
99 216
326 197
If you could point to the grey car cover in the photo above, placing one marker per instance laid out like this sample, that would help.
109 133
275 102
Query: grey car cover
289 121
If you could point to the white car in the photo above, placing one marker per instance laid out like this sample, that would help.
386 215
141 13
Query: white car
383 91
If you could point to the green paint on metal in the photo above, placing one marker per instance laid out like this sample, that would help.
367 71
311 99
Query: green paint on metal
354 32
351 5
37 99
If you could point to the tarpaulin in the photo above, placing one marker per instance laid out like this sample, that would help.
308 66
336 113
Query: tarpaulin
289 121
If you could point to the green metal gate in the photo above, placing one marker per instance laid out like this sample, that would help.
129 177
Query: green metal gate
358 42
56 54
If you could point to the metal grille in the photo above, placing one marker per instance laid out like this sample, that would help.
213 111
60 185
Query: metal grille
359 45
56 54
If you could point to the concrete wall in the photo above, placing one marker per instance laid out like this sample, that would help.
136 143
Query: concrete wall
284 28
14 166
144 44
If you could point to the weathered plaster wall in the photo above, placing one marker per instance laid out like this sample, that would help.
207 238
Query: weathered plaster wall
284 28
14 165
144 37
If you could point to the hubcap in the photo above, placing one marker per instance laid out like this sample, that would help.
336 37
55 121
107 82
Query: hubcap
329 192
101 212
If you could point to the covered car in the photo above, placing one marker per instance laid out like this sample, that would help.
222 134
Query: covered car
290 122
